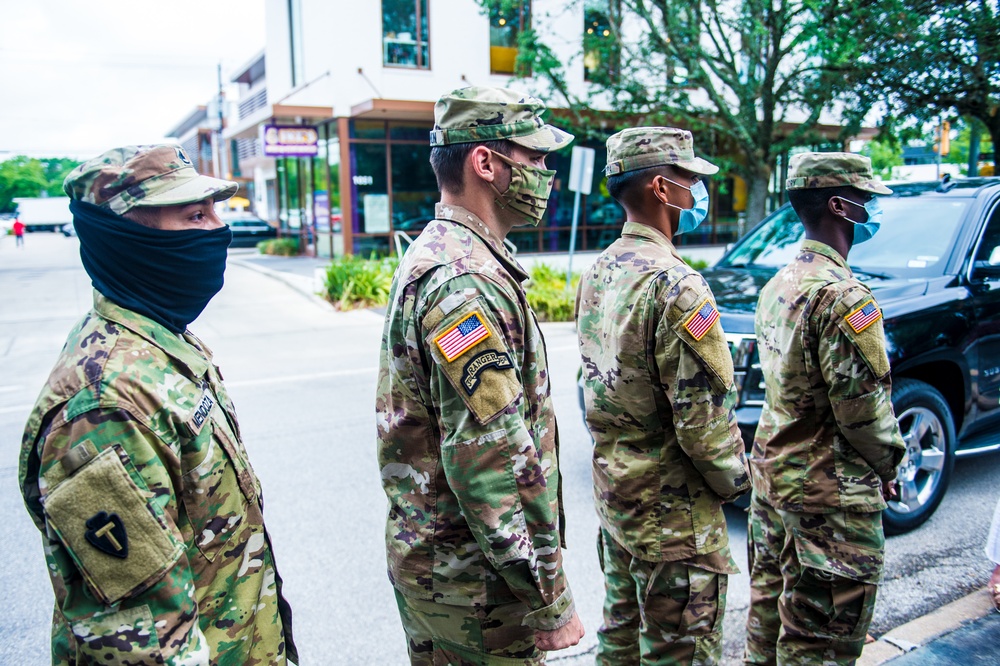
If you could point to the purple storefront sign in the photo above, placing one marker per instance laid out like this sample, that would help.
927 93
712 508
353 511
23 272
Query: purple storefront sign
289 140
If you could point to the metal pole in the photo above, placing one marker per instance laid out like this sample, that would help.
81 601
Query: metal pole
572 239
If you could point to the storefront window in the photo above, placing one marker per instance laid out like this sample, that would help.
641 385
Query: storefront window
404 34
414 188
371 188
506 26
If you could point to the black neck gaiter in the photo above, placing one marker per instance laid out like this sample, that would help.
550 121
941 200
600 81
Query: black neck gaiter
168 276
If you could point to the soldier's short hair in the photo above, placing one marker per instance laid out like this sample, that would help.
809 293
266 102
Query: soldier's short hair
448 162
623 186
809 204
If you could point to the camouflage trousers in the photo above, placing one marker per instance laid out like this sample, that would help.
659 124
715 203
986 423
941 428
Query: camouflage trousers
443 635
813 579
658 613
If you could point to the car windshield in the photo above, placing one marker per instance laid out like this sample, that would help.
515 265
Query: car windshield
914 240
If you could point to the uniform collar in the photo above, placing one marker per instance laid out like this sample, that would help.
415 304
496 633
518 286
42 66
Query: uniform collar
824 250
187 350
474 224
649 233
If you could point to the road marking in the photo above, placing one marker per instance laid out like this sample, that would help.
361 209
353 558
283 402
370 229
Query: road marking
16 408
8 389
301 378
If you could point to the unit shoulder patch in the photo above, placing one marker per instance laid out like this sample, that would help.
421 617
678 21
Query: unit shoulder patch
863 316
106 532
483 361
465 334
701 322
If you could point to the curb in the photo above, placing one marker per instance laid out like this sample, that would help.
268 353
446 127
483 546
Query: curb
299 283
921 631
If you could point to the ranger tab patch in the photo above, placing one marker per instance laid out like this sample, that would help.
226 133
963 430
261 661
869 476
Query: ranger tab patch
475 367
462 337
864 316
702 321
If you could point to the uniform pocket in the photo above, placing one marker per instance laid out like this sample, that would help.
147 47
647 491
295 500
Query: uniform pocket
834 596
212 494
128 636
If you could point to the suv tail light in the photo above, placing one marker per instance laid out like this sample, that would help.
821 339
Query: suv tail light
747 375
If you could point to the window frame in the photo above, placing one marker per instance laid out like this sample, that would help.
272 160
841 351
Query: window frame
420 66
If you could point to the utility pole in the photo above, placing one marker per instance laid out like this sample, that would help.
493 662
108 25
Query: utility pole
220 145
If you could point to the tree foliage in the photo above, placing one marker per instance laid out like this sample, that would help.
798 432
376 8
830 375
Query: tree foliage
751 78
30 177
927 59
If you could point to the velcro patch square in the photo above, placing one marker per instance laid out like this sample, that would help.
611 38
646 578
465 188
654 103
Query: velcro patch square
702 321
463 336
864 316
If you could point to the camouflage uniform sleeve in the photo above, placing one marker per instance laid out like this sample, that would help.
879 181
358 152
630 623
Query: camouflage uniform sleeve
503 478
696 372
114 545
855 367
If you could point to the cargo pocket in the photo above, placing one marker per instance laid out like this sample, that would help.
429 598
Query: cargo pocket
127 637
834 596
212 493
121 542
684 606
447 653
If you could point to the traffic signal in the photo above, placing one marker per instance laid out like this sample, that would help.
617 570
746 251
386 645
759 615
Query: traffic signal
942 138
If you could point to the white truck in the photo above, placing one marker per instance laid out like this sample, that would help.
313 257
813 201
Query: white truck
43 213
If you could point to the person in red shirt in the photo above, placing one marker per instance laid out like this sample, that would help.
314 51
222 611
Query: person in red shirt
19 232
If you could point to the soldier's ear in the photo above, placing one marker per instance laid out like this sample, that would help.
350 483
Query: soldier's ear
481 159
660 188
836 206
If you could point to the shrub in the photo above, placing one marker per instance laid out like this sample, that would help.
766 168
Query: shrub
353 282
697 264
283 247
547 293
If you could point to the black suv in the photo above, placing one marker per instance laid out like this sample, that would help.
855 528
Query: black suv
934 267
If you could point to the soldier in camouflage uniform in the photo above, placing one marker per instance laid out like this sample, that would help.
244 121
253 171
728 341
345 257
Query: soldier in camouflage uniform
827 445
467 440
132 465
660 399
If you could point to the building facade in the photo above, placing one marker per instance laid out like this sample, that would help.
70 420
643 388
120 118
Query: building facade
332 130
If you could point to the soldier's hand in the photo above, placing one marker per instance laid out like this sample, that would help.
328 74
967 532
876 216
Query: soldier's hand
890 491
565 636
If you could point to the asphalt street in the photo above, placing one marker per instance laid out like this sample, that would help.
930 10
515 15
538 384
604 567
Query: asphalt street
303 380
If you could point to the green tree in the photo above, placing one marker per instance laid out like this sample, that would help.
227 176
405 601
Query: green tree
884 154
23 176
927 59
751 78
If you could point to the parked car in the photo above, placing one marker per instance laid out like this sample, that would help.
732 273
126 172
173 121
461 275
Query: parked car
68 230
247 228
934 268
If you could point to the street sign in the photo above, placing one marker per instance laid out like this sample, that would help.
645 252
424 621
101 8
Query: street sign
581 170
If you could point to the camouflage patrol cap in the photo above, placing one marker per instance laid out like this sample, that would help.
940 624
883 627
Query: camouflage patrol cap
809 171
643 147
475 114
130 176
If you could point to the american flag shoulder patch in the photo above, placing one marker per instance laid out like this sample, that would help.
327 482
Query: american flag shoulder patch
463 336
864 316
702 321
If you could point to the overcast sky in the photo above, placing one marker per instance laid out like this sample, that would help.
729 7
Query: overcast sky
79 77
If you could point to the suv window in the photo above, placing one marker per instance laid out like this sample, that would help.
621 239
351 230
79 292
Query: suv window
988 253
915 239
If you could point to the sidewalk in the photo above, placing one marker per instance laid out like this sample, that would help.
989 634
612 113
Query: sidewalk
966 632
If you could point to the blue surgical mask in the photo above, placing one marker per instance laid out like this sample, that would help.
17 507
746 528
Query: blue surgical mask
865 230
692 217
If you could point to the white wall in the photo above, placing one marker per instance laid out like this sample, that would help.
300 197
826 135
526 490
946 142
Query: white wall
341 36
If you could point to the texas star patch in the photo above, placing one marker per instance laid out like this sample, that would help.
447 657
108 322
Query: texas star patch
463 336
864 316
702 321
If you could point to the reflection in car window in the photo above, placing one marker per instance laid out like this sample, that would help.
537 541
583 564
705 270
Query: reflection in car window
914 241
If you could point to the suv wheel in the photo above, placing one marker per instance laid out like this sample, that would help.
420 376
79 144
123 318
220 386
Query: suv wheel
929 434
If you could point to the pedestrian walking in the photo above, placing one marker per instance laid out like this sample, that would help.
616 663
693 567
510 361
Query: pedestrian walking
132 465
467 439
827 446
18 229
660 399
